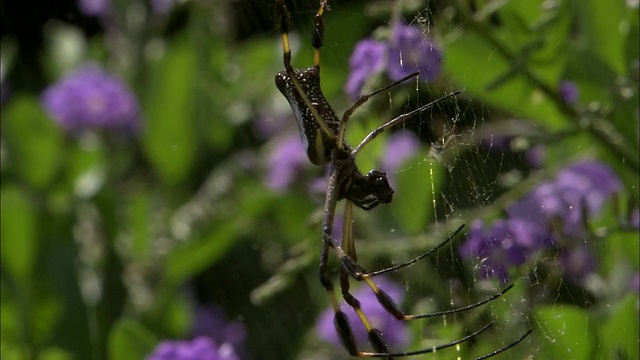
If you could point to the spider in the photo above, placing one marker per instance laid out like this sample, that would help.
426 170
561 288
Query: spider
322 134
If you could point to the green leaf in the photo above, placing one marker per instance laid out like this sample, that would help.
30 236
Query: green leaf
140 215
417 183
129 340
196 255
54 353
34 143
169 138
19 234
619 334
564 333
605 26
473 63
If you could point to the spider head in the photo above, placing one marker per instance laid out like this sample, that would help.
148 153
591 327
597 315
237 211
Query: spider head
379 186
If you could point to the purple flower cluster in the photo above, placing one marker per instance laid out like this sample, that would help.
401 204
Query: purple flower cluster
408 51
211 322
200 348
99 8
568 92
284 162
162 6
395 331
550 215
213 338
103 8
91 98
401 146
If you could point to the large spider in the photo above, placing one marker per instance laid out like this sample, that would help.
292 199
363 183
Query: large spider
322 133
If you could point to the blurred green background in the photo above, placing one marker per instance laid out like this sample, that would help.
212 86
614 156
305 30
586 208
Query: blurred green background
109 241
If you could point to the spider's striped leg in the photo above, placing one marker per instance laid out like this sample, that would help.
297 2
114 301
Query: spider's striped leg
347 256
341 322
318 33
360 274
351 268
348 245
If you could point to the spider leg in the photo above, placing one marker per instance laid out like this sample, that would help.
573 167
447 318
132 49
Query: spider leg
363 99
355 270
418 258
318 33
398 120
348 245
375 336
341 322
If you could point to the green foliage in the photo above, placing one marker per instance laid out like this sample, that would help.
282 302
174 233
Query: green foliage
36 157
129 340
564 332
109 241
170 137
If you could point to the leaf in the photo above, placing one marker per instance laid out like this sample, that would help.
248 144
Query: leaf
474 64
619 334
605 31
19 235
169 138
55 353
34 144
196 255
564 333
129 340
417 184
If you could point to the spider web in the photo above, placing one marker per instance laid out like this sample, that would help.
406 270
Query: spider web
473 161
468 179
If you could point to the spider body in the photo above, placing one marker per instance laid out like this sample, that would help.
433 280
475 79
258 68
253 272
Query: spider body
316 143
322 134
365 191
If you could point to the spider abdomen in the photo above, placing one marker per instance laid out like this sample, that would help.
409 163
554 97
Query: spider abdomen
317 145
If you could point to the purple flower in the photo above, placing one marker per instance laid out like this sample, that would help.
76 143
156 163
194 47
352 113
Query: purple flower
210 321
543 205
577 262
498 248
499 143
586 184
95 7
535 155
635 282
318 186
568 92
400 147
162 6
367 58
271 125
410 51
91 98
554 210
284 162
634 218
395 331
594 182
201 348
